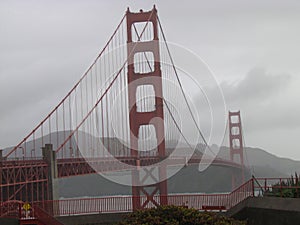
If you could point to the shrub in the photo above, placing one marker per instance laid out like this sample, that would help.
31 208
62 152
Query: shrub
174 215
286 189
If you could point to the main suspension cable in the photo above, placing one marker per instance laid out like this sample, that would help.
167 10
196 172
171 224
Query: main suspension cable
181 88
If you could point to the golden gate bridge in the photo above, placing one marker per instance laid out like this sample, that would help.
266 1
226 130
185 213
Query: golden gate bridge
122 115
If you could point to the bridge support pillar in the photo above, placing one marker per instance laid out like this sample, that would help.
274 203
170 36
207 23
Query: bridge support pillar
50 157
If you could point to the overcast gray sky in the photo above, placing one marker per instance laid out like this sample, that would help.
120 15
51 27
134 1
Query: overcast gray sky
252 47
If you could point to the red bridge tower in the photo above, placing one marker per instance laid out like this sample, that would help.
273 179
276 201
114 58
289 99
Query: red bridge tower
236 144
140 118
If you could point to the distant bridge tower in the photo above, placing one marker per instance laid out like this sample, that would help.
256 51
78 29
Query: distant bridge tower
137 119
236 144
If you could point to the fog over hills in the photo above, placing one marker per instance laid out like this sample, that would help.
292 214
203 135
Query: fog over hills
260 162
264 164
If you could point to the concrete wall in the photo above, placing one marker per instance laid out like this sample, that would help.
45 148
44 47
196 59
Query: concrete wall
256 216
268 211
96 219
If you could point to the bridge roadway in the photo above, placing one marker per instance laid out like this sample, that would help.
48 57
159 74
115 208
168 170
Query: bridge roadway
80 166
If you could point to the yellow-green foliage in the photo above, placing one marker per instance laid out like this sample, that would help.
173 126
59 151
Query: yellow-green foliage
286 189
174 215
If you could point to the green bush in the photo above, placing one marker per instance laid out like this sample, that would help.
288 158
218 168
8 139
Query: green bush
286 189
174 215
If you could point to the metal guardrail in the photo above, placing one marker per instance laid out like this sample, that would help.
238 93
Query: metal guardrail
111 204
11 209
279 187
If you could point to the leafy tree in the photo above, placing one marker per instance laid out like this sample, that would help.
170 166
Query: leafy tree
176 215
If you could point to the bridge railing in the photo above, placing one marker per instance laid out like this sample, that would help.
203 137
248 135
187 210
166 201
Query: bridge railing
22 158
244 191
279 187
124 204
11 209
111 204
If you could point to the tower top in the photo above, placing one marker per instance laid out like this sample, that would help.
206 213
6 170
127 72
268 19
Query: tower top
141 10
